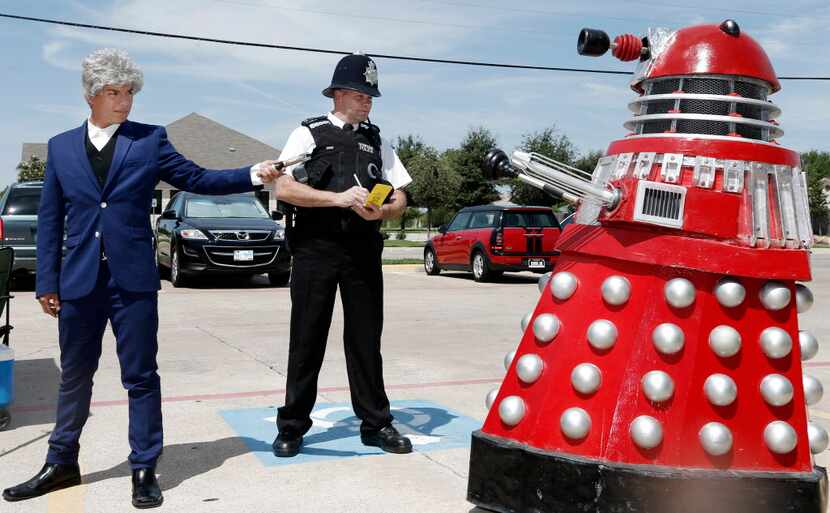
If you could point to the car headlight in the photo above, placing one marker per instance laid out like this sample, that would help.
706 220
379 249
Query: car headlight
192 234
279 234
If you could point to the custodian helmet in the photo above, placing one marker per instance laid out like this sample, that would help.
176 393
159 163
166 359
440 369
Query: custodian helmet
356 72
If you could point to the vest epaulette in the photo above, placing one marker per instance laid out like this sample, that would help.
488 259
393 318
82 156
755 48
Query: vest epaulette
315 122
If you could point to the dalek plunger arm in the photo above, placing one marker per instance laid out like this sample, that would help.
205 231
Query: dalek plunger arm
555 178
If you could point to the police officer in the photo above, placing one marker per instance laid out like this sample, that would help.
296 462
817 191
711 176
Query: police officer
335 242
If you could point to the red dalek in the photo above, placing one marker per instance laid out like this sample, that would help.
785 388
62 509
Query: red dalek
661 369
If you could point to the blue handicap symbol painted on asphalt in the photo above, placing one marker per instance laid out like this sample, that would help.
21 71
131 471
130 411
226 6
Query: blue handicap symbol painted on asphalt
336 430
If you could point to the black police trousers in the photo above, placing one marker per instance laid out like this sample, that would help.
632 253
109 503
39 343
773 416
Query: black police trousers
320 265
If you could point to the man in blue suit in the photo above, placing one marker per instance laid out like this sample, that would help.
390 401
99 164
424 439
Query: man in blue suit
100 178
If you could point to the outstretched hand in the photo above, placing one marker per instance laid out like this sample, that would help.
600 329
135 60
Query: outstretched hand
269 170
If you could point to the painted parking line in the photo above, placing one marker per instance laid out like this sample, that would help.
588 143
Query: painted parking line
335 433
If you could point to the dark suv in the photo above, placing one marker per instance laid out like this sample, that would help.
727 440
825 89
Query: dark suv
231 234
489 240
18 223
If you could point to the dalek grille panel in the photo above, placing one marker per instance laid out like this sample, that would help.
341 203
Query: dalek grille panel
696 126
714 108
706 86
655 127
665 86
750 90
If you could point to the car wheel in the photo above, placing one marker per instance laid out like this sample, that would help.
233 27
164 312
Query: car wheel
176 278
481 267
431 262
279 279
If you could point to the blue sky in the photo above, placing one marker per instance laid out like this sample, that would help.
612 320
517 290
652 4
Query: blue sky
265 93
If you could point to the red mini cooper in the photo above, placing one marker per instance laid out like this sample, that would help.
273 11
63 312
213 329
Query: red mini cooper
489 240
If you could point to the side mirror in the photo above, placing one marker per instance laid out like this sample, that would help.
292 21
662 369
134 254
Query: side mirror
169 214
276 215
442 228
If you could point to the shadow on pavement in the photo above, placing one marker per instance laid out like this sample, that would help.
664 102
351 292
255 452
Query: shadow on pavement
36 390
181 462
508 278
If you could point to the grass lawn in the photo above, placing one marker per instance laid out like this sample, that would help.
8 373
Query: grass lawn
393 243
401 261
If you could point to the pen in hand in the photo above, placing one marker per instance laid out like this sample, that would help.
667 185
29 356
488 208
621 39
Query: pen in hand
356 179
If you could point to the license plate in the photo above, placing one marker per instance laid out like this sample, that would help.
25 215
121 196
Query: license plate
536 263
243 255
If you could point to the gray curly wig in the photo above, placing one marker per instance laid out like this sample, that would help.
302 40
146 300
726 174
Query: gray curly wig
108 66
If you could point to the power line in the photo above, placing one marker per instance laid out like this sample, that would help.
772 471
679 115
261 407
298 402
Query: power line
336 52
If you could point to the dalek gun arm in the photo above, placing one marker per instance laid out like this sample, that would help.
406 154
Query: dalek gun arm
552 176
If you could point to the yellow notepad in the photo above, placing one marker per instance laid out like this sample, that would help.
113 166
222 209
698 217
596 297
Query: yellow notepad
378 195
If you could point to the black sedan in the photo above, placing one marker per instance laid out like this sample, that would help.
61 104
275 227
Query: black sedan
231 234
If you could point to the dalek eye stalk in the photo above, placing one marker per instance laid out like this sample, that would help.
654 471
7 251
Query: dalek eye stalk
661 370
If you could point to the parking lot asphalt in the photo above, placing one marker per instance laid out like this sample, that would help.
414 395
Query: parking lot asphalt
223 354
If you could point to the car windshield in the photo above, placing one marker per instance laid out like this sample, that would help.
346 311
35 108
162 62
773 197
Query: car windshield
23 201
225 206
538 218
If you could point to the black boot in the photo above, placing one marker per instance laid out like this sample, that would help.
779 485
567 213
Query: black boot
286 446
388 439
52 476
146 491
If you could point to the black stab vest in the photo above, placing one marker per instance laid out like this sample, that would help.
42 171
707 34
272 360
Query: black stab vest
338 156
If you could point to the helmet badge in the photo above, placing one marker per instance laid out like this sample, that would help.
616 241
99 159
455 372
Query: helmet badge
371 74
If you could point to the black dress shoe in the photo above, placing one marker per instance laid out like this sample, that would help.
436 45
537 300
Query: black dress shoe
286 446
387 439
51 477
146 491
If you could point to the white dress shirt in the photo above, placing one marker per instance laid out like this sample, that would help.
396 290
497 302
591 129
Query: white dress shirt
301 141
99 137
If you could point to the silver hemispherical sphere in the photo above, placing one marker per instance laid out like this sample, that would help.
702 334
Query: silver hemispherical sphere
668 338
575 423
679 292
602 334
564 285
545 327
715 438
720 389
529 368
646 432
657 386
780 437
803 298
725 341
818 438
776 390
543 281
730 292
616 290
808 344
508 359
774 295
491 398
776 343
526 320
586 378
512 410
813 390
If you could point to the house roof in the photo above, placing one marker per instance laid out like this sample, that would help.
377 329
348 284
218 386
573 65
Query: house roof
202 140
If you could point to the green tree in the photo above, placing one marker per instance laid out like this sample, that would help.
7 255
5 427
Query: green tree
465 161
408 147
434 184
31 170
817 166
588 162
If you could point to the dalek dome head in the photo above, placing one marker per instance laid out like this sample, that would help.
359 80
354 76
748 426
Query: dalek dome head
702 50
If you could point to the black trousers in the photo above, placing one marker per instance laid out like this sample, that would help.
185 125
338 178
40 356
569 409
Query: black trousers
321 264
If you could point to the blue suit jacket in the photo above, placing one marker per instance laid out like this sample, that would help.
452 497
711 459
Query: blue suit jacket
117 215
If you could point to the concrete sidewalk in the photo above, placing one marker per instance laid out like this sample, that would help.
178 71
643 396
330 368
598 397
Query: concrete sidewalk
223 354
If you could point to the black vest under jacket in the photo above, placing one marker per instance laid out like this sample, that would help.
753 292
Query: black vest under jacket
338 156
100 161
